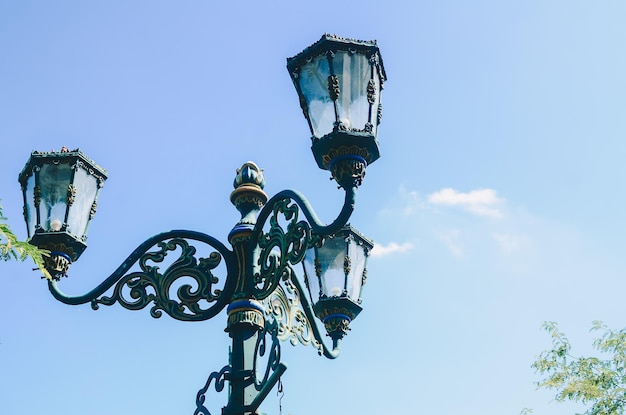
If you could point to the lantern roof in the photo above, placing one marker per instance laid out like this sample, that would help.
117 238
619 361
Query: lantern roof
333 42
348 229
37 158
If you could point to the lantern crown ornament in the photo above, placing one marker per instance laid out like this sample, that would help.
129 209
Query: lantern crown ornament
60 190
339 83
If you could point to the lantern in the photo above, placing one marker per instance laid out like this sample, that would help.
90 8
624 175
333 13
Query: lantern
334 274
339 82
60 197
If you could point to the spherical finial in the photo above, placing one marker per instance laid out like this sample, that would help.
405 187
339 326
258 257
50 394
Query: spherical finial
55 225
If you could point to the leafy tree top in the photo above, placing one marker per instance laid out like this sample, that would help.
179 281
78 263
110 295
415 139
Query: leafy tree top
600 383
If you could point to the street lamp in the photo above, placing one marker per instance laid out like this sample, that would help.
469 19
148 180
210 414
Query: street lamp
339 82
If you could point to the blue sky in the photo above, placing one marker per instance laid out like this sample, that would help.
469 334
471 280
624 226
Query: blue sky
496 205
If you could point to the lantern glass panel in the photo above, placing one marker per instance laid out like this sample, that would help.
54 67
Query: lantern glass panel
86 188
312 279
30 214
54 180
313 80
357 266
354 72
332 256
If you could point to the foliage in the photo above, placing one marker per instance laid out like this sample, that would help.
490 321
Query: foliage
13 249
593 381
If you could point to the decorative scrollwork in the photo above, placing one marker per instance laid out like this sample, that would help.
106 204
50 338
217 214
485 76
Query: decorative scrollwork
272 351
284 307
185 266
150 285
276 250
279 248
220 381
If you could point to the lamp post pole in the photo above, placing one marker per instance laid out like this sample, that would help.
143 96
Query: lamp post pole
339 82
245 315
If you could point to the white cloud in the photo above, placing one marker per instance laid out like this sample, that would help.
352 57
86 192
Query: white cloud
482 202
393 248
433 220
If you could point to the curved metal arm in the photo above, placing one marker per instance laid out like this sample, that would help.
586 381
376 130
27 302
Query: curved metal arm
331 353
316 225
275 249
187 265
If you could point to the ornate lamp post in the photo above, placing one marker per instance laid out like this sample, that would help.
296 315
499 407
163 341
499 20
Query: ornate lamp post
339 82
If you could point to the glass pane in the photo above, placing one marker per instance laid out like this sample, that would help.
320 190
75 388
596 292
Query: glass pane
357 258
29 207
309 271
86 187
314 85
54 180
332 256
354 72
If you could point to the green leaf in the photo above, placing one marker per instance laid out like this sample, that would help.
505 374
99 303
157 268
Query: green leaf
11 248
